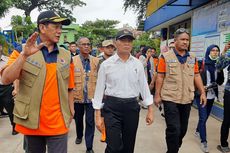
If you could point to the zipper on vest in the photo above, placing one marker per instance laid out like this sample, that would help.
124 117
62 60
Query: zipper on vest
182 72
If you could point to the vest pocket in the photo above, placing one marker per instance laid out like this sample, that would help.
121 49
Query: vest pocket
21 107
65 74
173 68
77 77
29 74
94 78
170 90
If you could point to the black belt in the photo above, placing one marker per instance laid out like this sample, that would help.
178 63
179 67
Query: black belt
125 100
1 85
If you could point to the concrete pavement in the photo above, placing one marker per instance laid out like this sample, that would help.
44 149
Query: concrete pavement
150 139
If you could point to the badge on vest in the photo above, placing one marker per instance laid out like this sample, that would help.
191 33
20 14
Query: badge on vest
77 69
171 61
35 63
62 60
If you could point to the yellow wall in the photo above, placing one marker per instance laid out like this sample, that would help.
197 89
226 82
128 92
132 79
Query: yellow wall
154 5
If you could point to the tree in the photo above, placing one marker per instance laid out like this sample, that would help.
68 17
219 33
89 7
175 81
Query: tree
22 27
98 30
138 6
58 6
4 6
145 39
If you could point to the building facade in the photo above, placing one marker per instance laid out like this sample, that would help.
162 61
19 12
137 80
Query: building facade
207 20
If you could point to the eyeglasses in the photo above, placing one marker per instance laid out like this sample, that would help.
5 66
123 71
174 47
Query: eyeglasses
85 44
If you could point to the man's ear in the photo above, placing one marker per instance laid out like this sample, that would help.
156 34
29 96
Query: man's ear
42 28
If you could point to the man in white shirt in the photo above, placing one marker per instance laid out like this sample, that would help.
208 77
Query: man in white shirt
121 79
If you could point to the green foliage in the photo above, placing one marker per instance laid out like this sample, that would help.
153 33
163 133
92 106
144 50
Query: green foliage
58 6
2 39
138 6
5 45
145 39
98 31
4 6
22 27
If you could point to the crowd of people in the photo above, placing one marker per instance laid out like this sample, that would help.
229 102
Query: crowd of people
44 86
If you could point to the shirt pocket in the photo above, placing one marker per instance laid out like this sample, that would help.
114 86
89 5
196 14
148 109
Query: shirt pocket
21 107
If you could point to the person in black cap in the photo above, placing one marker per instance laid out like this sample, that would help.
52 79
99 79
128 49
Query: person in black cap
120 80
44 103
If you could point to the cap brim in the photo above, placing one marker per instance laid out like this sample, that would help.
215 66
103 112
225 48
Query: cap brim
126 35
109 44
63 21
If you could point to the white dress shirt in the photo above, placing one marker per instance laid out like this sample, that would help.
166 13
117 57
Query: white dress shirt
121 79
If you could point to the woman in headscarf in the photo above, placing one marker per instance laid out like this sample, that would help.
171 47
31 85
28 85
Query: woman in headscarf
209 76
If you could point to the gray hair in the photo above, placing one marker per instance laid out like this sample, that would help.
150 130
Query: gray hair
79 40
181 31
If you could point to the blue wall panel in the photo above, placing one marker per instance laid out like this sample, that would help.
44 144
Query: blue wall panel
167 13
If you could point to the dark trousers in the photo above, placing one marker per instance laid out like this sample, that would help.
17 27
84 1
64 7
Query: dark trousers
121 117
55 144
226 122
204 113
80 110
176 118
7 101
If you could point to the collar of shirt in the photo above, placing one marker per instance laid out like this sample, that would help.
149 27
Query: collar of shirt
50 57
118 59
83 58
182 59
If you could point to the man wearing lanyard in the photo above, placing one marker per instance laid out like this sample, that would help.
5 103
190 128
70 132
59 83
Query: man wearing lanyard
85 73
121 78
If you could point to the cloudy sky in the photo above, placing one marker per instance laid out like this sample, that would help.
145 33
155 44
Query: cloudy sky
95 9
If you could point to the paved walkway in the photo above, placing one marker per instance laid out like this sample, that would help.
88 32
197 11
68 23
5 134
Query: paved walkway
150 139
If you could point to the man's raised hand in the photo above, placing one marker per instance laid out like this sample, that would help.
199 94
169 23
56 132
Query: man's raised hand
31 47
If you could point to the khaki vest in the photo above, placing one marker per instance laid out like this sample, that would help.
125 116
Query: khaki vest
178 85
79 77
32 80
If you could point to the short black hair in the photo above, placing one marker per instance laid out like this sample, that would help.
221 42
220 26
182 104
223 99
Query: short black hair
142 46
72 43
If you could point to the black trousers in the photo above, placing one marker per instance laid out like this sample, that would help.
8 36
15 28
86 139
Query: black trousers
54 144
7 101
80 110
121 117
176 118
226 121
